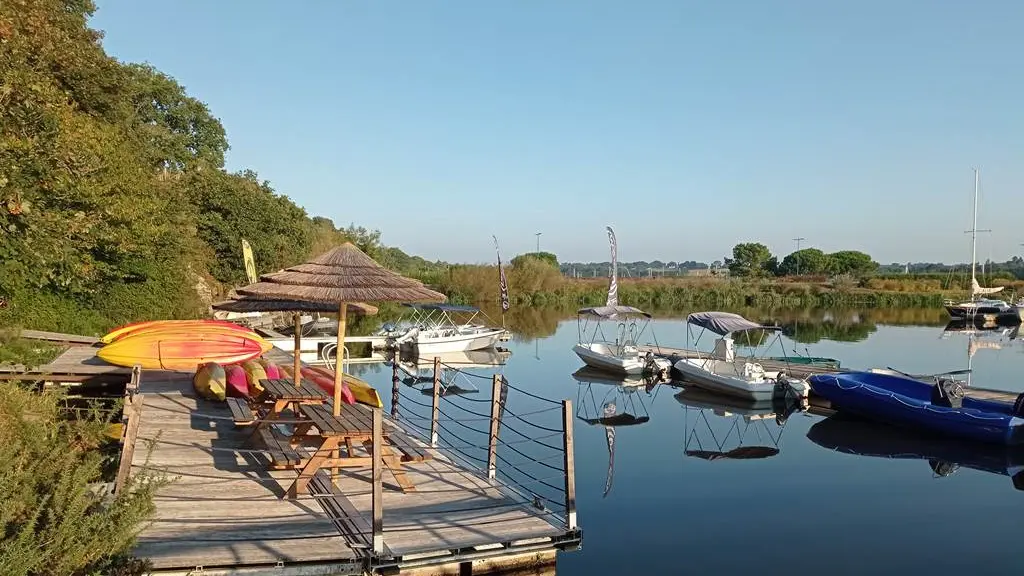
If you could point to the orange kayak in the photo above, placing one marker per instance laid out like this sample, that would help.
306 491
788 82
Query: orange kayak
194 325
182 351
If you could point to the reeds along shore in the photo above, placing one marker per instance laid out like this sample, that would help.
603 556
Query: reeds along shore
538 284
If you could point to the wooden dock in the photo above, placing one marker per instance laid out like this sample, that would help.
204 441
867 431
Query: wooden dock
805 371
224 511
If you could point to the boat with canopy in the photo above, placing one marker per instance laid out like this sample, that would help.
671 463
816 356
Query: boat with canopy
723 372
620 352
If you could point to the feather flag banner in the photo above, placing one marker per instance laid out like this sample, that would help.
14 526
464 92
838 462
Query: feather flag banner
613 284
501 279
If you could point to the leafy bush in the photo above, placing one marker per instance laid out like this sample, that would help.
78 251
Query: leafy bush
54 522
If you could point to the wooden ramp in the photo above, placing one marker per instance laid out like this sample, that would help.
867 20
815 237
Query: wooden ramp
224 508
76 364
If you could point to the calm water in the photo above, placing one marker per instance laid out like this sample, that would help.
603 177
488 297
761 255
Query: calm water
805 510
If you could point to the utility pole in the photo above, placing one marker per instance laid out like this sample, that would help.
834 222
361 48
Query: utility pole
797 257
538 241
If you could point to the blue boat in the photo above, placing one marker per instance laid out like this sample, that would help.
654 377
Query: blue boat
941 407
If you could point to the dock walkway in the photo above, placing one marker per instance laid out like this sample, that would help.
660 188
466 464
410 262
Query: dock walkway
224 509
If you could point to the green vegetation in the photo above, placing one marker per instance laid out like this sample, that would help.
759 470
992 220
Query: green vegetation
53 520
114 202
755 260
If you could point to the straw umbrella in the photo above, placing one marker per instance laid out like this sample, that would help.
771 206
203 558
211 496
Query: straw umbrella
342 275
251 304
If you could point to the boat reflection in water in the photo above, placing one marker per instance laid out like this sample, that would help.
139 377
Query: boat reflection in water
612 401
945 456
742 429
460 372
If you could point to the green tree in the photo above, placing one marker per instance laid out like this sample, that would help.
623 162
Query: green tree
852 262
546 257
751 259
180 130
230 207
805 261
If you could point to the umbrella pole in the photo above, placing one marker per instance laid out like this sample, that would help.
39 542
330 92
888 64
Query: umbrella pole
339 364
339 361
297 353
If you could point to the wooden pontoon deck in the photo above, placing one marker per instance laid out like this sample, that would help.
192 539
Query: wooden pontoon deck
224 510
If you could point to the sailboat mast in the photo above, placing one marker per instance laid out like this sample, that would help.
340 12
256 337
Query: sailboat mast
974 229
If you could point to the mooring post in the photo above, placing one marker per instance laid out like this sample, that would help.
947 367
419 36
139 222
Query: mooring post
394 388
378 479
436 406
492 442
570 465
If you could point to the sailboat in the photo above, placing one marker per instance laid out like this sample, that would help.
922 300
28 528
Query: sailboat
979 304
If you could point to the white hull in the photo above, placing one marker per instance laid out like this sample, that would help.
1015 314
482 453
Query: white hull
426 344
600 356
729 378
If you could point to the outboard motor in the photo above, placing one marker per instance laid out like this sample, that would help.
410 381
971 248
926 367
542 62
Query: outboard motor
948 393
1018 406
942 468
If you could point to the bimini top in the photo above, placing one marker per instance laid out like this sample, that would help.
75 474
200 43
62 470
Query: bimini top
723 323
443 307
609 311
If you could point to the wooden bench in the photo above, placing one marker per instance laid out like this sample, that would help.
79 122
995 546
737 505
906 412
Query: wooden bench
240 411
412 450
350 523
282 455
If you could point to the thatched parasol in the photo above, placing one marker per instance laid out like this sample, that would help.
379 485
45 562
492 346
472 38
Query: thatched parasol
343 275
251 304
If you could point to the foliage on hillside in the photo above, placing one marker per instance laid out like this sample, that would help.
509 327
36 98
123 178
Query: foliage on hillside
114 200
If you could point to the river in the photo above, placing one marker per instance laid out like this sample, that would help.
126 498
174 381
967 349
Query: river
796 505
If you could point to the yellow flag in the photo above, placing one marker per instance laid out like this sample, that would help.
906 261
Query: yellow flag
250 262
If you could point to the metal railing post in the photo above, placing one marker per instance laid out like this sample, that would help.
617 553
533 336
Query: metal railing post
492 442
570 465
436 406
378 482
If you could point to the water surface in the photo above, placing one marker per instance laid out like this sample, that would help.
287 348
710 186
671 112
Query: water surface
806 509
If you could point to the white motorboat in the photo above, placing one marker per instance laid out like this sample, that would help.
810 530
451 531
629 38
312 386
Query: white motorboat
723 372
620 355
433 329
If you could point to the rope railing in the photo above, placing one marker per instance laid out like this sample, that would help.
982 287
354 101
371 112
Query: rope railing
538 446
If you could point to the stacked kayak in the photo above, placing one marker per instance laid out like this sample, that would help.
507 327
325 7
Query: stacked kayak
941 407
181 345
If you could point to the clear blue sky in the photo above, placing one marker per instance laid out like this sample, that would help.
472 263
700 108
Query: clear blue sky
688 126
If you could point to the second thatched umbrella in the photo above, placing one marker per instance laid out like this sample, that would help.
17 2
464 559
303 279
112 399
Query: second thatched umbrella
253 304
342 275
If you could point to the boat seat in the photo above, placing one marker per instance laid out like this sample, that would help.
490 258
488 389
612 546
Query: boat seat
241 413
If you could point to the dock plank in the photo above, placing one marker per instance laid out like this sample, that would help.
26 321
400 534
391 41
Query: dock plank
224 506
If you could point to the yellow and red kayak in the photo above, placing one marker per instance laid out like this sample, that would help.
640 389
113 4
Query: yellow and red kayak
361 390
210 381
172 350
153 325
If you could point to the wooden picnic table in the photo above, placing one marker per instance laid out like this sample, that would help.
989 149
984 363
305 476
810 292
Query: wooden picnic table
353 426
